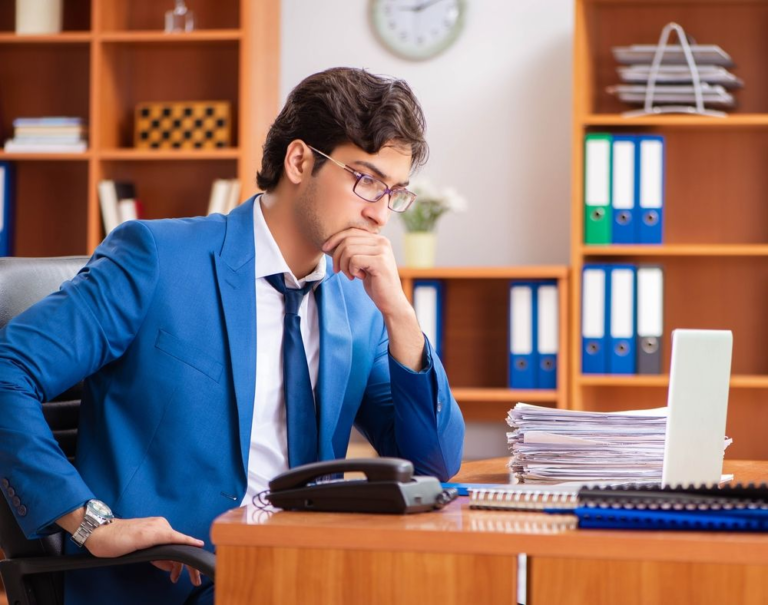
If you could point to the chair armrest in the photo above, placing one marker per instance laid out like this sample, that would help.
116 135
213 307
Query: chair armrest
193 556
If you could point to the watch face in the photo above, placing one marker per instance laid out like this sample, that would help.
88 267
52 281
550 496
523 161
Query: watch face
100 509
417 29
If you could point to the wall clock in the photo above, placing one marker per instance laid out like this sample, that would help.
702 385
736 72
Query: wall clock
417 29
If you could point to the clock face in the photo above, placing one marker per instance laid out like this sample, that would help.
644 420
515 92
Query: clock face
417 29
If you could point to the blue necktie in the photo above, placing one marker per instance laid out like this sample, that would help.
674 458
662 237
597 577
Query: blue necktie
297 386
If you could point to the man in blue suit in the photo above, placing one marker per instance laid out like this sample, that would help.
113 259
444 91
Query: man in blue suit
187 340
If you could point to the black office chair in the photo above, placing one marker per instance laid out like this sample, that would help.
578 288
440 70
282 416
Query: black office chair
33 569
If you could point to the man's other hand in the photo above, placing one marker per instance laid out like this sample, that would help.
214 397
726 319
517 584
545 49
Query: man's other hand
124 536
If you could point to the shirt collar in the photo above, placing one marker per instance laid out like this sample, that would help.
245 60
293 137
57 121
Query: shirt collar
269 259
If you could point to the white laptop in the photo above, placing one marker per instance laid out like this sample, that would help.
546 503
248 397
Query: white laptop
699 379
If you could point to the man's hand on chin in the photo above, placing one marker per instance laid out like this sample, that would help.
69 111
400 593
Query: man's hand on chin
358 253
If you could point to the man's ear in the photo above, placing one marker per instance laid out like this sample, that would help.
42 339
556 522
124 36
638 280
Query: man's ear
298 162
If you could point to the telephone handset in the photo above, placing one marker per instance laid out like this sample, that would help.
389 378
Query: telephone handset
389 487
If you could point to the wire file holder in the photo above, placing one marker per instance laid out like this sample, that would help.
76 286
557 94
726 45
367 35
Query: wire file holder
649 108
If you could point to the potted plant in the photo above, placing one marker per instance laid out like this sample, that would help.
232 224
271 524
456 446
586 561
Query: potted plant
420 219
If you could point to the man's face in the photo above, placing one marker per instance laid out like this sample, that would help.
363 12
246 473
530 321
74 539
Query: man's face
327 205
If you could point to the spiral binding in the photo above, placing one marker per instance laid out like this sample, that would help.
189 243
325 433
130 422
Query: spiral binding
533 524
522 500
738 498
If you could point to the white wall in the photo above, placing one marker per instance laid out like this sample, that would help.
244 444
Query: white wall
497 105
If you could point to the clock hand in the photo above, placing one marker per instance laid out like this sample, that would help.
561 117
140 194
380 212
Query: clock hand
426 4
419 7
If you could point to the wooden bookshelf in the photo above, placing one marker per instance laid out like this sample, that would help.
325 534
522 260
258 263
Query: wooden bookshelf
715 251
112 55
475 336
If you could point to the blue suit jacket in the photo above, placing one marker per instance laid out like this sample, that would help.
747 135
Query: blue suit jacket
161 321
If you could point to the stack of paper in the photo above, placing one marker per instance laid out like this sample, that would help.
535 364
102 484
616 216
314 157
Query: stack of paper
551 446
674 80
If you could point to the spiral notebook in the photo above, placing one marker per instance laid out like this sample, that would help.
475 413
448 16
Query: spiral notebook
729 508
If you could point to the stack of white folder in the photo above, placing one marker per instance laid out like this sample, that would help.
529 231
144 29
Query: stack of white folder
552 446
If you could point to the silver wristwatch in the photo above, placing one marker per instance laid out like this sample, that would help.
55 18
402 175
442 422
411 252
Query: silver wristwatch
96 514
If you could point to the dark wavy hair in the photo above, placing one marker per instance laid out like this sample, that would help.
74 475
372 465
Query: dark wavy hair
344 105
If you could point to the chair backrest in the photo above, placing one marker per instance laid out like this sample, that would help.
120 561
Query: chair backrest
23 282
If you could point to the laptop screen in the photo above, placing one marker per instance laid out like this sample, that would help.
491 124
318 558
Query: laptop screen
699 380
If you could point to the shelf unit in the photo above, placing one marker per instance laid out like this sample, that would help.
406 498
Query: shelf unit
715 254
112 55
475 334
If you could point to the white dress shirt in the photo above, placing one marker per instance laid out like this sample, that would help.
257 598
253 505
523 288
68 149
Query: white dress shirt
269 445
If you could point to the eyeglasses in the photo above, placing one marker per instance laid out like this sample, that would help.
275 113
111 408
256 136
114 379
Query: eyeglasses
372 189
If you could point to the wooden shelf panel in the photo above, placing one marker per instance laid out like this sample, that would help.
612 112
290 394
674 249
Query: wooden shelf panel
725 209
491 411
606 380
676 121
137 73
140 37
549 272
46 82
722 294
505 395
143 15
51 205
62 38
45 157
738 27
168 155
677 250
170 188
76 16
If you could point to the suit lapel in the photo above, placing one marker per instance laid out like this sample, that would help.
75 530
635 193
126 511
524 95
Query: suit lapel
335 357
235 272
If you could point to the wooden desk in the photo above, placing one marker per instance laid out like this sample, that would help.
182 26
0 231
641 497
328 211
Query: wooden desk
460 556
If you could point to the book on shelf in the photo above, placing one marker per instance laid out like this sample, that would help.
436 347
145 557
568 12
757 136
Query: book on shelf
622 321
233 199
533 334
14 146
118 203
48 135
127 210
6 209
624 182
225 196
49 121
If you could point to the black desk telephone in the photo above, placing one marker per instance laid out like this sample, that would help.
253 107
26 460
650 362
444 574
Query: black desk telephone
389 487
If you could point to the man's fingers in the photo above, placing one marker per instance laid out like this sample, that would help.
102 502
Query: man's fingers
164 565
337 238
175 569
176 572
346 253
360 265
176 537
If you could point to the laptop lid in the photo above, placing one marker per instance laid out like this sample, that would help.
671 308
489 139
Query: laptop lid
699 379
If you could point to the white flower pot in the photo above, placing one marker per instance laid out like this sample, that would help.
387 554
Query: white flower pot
38 16
420 249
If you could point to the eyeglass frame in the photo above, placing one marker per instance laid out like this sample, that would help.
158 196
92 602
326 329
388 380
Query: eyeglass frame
359 175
